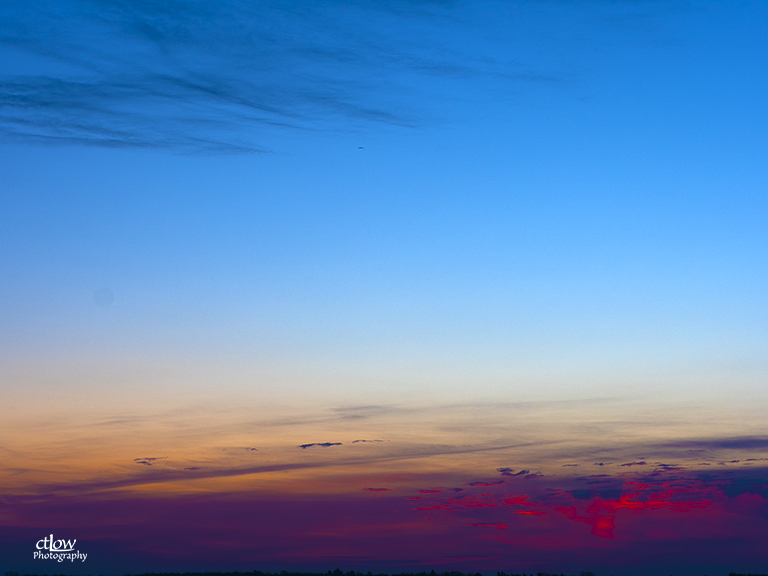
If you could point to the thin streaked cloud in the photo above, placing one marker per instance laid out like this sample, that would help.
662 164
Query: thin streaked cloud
218 77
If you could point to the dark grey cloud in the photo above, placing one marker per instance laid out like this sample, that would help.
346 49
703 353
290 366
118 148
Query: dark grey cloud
521 473
148 461
321 444
218 76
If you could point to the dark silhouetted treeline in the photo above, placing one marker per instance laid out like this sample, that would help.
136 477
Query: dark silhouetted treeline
338 572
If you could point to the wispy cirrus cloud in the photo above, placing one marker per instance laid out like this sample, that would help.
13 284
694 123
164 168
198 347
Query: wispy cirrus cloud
173 471
218 76
747 443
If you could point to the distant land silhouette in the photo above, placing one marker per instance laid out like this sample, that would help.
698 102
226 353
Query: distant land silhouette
338 572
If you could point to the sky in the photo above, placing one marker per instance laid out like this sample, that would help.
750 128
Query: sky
470 285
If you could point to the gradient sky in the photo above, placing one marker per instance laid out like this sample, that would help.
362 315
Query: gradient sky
395 285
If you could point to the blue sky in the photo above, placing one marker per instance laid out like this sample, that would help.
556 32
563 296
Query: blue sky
542 187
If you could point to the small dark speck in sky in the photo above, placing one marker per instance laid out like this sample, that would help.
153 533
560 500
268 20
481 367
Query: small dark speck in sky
104 297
